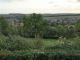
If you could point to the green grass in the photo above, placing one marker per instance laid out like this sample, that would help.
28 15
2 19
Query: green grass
50 41
46 41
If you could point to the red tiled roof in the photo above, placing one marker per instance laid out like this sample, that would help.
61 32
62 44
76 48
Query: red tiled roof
17 25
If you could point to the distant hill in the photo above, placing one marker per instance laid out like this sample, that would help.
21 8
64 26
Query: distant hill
19 16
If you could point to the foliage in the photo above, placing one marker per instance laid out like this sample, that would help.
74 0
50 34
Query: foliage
66 26
27 25
54 24
20 29
3 24
77 28
34 25
5 27
64 49
77 25
38 43
14 43
60 27
36 20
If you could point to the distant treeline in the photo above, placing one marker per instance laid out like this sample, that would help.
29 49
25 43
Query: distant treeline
7 16
57 15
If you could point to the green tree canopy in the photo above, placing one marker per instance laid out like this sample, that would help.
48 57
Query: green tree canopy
60 27
27 25
5 27
37 23
77 25
20 29
34 23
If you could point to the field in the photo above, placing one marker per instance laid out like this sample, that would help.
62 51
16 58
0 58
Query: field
60 17
46 41
50 41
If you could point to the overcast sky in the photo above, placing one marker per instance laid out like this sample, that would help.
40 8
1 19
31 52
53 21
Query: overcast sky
39 6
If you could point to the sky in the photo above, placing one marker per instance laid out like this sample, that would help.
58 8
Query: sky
39 6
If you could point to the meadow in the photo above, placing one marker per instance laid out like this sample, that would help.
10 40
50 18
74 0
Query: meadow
60 17
50 41
45 41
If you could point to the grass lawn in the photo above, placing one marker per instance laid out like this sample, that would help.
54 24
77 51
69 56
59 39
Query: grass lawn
46 41
50 41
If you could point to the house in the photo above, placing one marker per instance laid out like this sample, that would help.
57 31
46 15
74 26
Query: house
13 21
17 24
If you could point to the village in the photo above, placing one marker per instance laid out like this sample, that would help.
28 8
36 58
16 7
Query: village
17 19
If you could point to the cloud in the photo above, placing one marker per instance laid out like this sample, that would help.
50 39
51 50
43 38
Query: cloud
69 0
51 2
57 1
78 0
67 7
73 1
9 1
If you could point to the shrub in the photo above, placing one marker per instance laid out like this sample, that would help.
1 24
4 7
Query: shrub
66 49
15 43
18 43
38 43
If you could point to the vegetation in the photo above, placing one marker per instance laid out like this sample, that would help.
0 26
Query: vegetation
5 27
35 26
27 42
16 48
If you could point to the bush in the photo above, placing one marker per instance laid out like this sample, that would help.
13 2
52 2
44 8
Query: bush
15 43
56 36
38 43
64 50
19 43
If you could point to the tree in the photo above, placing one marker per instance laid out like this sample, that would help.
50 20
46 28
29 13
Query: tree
60 27
5 27
0 26
66 26
20 29
54 24
9 30
77 26
27 25
3 24
45 25
24 21
36 23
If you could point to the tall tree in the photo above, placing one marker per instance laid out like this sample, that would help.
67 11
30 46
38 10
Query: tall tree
36 22
5 27
3 24
26 21
20 29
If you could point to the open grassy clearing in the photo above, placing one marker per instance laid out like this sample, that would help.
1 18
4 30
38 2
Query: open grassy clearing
50 41
46 41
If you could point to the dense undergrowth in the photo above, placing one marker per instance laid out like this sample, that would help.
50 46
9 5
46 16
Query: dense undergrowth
18 48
